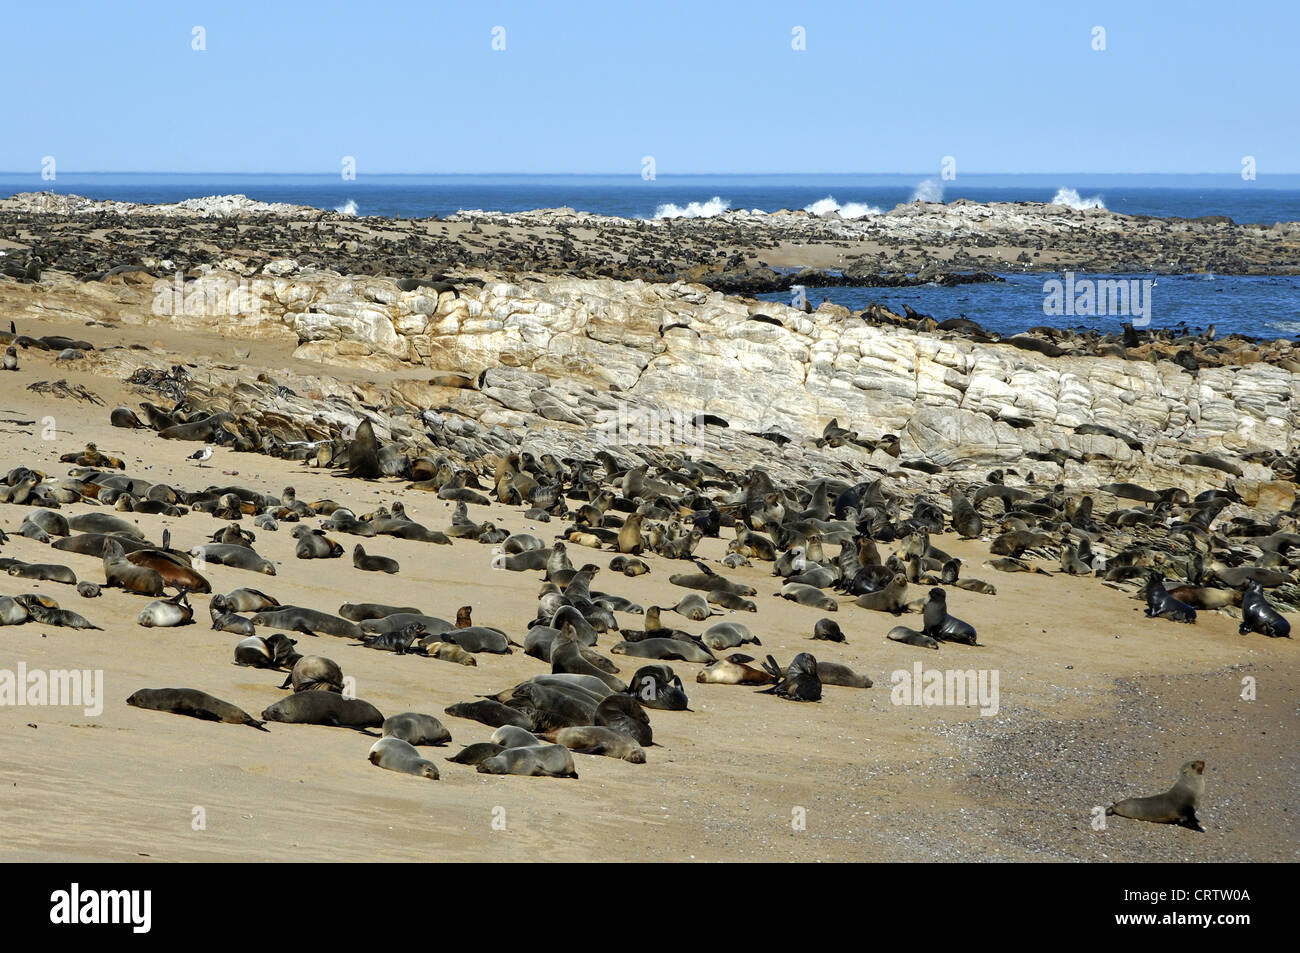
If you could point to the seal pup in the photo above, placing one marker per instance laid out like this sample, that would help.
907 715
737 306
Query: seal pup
807 595
372 563
826 630
195 704
938 624
394 754
1176 806
1258 614
901 633
449 652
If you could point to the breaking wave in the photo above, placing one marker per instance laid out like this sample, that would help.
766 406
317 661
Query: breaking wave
848 210
714 206
1072 198
931 190
347 208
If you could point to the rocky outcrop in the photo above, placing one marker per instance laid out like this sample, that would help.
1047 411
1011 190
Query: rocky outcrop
576 353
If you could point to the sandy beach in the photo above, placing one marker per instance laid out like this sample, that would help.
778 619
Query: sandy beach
1096 703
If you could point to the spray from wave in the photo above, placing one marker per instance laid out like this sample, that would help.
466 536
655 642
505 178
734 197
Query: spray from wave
1072 198
848 210
931 190
714 206
347 208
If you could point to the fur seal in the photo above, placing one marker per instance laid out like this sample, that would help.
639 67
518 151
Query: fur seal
372 563
594 739
799 682
490 712
512 736
625 713
195 704
315 673
365 611
246 600
12 612
52 615
1176 806
826 630
236 557
629 536
476 753
165 613
552 761
733 670
273 652
47 572
1161 604
317 545
449 652
325 708
664 650
728 635
1258 615
394 754
893 598
119 572
307 621
901 633
807 595
938 624
658 687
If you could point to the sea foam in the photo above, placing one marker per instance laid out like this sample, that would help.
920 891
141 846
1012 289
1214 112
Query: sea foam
848 210
931 190
347 208
714 206
1072 198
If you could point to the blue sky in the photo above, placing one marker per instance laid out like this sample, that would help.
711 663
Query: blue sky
703 87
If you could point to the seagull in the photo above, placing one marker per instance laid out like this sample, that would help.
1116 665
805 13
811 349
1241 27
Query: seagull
201 455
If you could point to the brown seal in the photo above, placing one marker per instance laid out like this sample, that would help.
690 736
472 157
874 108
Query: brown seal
1176 806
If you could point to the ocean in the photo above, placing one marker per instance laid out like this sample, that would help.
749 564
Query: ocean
1255 306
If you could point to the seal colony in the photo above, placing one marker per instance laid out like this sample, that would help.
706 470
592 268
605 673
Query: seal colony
628 553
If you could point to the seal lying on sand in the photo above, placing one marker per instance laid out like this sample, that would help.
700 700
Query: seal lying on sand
194 703
325 708
394 754
552 761
1176 806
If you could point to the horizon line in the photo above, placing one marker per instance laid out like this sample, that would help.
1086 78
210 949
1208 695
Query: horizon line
1233 174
